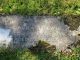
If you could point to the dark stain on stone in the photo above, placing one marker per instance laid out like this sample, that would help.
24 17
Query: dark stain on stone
78 34
73 21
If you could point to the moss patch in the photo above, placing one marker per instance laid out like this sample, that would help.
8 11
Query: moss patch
73 21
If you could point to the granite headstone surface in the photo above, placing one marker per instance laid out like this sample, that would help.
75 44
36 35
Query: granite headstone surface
26 31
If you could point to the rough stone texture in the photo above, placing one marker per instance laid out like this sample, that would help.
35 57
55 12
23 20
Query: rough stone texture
27 31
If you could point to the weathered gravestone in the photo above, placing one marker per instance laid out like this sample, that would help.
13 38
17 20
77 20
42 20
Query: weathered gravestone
26 31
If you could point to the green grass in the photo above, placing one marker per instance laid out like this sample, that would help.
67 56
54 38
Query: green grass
40 7
39 52
27 54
